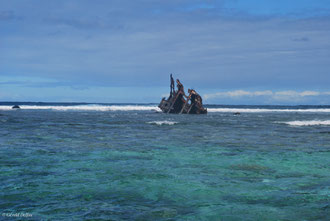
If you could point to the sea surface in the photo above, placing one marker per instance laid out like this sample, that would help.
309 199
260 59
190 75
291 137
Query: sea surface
132 162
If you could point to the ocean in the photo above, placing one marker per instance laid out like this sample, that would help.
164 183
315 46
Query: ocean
62 161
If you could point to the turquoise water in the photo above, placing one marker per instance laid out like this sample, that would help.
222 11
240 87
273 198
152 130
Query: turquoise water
132 163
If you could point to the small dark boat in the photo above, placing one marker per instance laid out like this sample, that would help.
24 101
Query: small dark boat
16 107
180 103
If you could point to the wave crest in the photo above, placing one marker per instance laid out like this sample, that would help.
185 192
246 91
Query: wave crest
308 122
87 108
260 110
97 107
164 122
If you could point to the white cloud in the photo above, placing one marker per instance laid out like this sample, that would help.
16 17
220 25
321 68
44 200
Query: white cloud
263 93
286 93
297 94
278 95
310 93
238 93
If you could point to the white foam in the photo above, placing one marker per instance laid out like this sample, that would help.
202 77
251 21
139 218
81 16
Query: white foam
259 110
165 122
308 122
5 107
87 108
96 107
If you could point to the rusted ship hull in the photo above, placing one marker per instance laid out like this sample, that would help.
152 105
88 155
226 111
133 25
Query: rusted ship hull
179 103
180 108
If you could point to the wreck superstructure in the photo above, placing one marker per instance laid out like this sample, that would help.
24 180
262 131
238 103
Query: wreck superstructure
180 103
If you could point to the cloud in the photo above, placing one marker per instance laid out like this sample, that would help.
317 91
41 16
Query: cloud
310 93
277 95
263 93
25 82
238 93
295 95
214 52
209 45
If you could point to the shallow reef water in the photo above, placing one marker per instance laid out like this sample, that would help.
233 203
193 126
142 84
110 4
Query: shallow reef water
108 163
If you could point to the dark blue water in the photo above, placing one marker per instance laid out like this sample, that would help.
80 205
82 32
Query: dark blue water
128 162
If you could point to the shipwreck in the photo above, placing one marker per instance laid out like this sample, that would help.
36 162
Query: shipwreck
180 103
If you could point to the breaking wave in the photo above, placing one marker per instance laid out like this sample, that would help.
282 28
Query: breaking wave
260 110
87 108
114 107
165 122
308 123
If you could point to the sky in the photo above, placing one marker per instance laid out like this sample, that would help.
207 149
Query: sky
122 51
